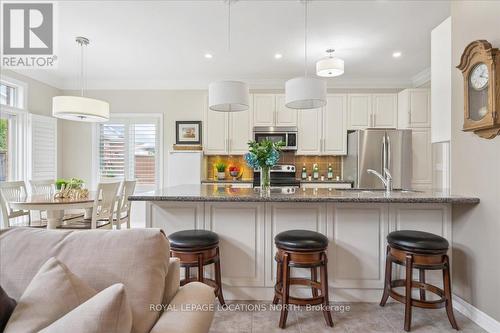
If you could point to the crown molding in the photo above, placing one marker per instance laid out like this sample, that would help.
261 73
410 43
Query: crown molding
421 78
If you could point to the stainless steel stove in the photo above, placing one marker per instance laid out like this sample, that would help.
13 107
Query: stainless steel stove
282 176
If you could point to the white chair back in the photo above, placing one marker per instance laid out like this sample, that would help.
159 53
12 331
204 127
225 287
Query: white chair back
124 205
45 186
12 191
104 203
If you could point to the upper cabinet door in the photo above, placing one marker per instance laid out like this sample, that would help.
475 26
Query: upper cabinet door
309 136
284 115
215 133
240 131
385 109
419 103
335 125
359 111
264 106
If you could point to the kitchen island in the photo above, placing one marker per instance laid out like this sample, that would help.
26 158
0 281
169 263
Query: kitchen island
355 221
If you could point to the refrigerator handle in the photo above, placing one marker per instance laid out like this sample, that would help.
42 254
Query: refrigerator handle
384 152
388 163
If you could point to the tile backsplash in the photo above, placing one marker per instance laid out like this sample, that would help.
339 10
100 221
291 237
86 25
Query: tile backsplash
286 158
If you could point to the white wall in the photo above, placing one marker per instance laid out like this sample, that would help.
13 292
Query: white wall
475 167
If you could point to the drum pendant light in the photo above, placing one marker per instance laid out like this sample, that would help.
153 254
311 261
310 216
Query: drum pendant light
330 66
305 92
228 96
80 108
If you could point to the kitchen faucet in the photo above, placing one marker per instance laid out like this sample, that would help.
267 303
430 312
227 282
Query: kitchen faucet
387 180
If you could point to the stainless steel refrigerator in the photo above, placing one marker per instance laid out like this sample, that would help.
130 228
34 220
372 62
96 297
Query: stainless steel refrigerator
378 149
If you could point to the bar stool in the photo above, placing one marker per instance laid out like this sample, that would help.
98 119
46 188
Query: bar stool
301 249
423 251
198 248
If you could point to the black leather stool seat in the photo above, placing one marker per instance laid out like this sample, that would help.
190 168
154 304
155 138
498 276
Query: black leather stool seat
301 240
417 241
193 239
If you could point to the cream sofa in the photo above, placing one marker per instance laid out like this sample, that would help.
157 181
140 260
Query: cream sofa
138 258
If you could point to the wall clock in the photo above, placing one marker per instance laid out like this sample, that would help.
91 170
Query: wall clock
479 66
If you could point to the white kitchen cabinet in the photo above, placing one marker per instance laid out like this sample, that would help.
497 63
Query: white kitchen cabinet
264 109
359 111
284 116
414 108
227 133
240 227
324 131
215 132
334 131
421 158
309 132
372 111
384 110
270 110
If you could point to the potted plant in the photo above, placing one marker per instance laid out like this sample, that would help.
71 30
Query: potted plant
263 155
221 170
72 183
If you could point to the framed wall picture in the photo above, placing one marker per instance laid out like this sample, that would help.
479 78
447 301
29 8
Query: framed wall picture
188 132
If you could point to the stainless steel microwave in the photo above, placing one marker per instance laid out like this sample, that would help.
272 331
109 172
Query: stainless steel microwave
286 134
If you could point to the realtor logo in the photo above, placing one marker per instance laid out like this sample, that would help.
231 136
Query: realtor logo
28 35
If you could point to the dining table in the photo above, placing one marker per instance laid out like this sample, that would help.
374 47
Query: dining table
54 207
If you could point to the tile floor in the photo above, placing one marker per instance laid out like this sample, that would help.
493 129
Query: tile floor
361 318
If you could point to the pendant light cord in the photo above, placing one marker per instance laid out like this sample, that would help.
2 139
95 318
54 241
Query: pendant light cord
229 25
305 38
82 80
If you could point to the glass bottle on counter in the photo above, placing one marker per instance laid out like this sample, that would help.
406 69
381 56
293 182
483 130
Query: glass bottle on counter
315 171
304 172
330 172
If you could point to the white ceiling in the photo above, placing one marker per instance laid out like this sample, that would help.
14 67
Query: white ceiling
161 44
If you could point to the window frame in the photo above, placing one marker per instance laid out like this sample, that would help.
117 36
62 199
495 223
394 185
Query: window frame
19 153
131 118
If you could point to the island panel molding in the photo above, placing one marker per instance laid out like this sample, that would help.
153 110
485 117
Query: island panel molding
479 65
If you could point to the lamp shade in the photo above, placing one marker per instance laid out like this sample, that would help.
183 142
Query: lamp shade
330 67
305 93
80 108
228 96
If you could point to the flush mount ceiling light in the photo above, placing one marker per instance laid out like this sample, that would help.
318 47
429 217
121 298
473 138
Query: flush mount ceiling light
208 56
228 96
330 66
305 92
397 54
278 56
80 108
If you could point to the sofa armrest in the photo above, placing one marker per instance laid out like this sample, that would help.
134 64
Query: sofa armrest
190 310
172 280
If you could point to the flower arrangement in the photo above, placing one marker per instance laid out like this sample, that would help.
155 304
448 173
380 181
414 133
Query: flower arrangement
72 183
263 155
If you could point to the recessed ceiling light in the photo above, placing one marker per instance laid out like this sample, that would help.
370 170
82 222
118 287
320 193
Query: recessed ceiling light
208 56
278 56
397 54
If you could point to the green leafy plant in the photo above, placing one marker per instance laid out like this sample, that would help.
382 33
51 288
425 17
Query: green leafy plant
220 166
265 153
73 183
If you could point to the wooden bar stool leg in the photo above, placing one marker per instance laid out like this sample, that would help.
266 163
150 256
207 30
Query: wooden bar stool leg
285 291
447 293
324 291
200 267
388 277
314 277
408 278
218 280
187 273
279 279
421 277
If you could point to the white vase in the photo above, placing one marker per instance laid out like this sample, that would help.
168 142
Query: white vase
221 175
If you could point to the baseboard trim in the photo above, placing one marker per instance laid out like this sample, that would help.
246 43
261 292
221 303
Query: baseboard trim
476 315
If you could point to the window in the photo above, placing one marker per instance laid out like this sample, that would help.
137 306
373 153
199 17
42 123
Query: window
12 130
129 149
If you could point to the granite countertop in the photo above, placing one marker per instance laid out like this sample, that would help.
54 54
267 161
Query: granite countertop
225 181
326 181
213 193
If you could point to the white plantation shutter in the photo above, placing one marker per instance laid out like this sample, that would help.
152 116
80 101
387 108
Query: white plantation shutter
43 147
128 149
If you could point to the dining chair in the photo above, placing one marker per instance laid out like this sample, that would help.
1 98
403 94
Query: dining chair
122 214
43 187
103 209
12 191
